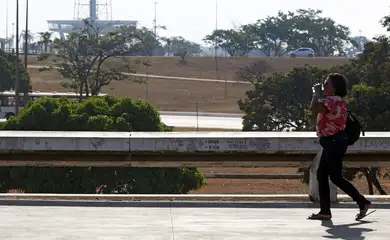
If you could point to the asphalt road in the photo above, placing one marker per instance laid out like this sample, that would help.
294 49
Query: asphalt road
191 121
68 223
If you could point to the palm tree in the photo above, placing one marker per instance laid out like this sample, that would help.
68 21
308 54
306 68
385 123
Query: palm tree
45 39
10 42
6 43
30 37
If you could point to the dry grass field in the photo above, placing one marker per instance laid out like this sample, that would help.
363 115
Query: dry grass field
178 95
205 67
165 95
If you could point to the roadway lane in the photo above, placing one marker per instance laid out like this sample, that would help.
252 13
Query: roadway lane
204 120
43 223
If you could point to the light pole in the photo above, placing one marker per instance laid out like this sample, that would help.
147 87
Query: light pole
6 20
155 19
26 38
13 36
155 28
17 66
215 39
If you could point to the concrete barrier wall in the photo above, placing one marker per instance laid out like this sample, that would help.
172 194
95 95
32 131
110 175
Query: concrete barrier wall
179 149
264 142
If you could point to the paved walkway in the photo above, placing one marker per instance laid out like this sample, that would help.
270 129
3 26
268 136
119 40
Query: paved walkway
68 223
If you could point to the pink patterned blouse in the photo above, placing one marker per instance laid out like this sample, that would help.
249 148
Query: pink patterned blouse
334 121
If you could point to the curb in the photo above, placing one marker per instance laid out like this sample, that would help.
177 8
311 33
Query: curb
8 198
173 204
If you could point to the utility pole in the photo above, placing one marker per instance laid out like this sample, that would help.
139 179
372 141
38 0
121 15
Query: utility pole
13 36
6 20
155 19
155 28
26 36
17 66
215 40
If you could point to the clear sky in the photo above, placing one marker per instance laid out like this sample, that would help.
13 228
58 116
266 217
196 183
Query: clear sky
193 19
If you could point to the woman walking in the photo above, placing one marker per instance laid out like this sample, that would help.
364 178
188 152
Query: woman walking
331 122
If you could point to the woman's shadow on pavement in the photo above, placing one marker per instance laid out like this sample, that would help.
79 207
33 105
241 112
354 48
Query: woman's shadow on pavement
345 231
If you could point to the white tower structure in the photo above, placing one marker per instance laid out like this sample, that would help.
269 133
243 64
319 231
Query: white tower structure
99 13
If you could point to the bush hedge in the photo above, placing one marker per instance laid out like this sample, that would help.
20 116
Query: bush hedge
94 114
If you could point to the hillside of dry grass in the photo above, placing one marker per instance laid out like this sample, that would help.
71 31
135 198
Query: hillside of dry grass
178 95
208 67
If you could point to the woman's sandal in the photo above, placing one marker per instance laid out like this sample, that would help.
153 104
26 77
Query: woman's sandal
320 216
363 210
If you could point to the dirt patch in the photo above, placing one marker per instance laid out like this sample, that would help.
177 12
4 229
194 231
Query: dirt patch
245 186
279 186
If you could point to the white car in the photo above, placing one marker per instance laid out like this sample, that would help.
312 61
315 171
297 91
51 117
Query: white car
302 52
357 54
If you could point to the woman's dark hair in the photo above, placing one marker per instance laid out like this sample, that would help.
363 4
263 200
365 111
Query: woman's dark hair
339 83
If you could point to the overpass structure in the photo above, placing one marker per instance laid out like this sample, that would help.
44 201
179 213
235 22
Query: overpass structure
104 25
180 149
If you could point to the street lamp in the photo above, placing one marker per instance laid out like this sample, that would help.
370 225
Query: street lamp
155 28
26 38
155 20
6 20
215 40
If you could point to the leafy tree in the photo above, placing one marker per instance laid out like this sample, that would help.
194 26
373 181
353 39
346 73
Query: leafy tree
385 22
276 35
141 41
8 73
94 114
271 35
181 47
355 45
45 39
281 101
322 34
358 42
81 58
234 42
2 43
374 86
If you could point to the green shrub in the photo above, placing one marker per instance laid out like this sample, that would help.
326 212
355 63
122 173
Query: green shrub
94 114
43 56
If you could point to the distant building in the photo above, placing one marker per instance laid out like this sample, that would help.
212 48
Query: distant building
105 26
68 26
